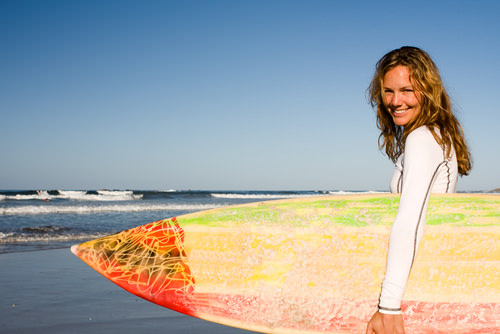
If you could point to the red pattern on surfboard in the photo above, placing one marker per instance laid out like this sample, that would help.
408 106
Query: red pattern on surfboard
148 261
348 316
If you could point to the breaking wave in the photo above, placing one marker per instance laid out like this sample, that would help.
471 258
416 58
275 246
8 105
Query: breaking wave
89 209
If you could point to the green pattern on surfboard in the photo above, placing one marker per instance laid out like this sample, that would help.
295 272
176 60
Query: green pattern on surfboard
356 212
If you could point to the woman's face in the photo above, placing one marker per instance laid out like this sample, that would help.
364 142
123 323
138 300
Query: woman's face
400 99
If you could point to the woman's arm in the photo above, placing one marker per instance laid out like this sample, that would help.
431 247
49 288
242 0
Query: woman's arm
422 159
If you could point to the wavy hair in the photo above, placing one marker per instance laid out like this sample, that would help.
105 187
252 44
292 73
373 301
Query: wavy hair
435 107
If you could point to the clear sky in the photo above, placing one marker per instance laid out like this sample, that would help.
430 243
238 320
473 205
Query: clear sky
227 94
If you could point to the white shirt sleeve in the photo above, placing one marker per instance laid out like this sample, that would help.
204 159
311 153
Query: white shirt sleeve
422 160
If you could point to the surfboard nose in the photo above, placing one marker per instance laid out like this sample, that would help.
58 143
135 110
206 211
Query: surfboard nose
74 249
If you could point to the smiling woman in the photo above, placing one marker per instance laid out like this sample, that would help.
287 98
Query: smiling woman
425 140
410 68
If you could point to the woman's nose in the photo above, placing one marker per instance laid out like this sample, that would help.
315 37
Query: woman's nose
396 99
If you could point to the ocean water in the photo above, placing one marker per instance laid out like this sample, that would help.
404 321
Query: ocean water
36 220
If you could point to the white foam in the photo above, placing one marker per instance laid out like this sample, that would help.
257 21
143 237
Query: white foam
72 194
24 238
115 192
102 195
88 209
5 235
107 197
44 197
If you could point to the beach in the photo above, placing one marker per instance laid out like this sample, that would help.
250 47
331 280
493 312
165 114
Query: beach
52 291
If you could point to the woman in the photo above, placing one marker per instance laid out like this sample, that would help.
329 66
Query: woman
423 138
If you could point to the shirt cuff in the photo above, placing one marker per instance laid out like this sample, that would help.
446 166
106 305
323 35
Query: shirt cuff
386 310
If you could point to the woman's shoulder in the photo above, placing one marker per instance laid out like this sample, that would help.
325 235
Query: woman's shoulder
420 132
422 137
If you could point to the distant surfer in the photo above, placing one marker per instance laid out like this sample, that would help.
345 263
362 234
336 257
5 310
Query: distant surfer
423 138
43 194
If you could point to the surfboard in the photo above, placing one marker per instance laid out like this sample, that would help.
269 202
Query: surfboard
312 265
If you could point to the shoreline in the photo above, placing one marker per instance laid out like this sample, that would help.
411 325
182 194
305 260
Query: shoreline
53 291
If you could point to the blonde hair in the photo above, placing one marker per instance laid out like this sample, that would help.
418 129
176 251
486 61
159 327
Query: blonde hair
435 107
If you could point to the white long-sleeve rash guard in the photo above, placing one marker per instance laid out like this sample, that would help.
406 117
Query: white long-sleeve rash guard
422 169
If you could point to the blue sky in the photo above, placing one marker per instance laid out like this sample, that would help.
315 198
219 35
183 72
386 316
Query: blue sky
227 95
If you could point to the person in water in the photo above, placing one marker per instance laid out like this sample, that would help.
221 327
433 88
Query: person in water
423 138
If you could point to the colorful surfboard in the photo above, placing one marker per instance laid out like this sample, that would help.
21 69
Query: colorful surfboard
312 265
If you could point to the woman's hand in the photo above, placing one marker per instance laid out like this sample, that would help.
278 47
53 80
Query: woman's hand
382 323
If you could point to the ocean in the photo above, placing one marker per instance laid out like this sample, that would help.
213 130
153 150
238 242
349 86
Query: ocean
38 220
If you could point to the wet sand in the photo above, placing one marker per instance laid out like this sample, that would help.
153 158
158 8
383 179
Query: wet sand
55 292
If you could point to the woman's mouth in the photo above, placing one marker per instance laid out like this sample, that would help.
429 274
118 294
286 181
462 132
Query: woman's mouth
399 112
